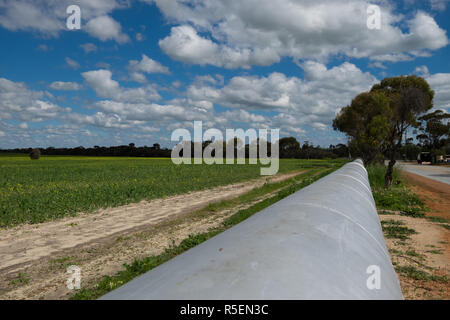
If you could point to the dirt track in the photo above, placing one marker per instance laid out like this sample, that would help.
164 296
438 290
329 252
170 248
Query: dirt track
102 241
431 243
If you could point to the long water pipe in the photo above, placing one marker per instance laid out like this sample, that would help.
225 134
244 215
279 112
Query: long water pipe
322 242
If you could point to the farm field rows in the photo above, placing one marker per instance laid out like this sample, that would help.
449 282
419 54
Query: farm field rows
55 187
35 257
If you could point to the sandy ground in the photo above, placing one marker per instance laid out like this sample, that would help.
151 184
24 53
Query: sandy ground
431 243
433 257
34 258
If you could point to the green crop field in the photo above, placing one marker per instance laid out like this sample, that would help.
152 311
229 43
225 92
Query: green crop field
33 191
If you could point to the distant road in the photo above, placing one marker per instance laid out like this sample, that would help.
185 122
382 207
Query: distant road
438 173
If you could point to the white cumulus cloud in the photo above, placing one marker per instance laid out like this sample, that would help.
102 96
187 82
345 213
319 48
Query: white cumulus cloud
103 84
106 28
146 65
185 44
313 100
235 33
20 103
48 17
440 83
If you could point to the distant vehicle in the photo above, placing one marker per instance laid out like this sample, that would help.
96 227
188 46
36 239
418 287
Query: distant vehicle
426 158
447 158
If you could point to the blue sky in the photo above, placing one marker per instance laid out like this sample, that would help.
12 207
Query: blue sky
137 70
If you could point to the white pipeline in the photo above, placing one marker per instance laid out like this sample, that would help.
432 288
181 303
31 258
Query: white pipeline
322 242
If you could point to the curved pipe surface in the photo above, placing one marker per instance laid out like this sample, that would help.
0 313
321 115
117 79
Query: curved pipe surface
318 243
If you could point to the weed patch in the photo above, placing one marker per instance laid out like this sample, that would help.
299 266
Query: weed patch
396 230
22 278
417 274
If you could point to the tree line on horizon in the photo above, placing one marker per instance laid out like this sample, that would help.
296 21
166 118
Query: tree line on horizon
376 124
289 148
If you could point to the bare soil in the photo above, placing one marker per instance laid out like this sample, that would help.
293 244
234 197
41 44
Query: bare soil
429 249
34 258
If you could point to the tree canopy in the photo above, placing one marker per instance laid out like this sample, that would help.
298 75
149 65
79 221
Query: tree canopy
376 121
435 128
365 121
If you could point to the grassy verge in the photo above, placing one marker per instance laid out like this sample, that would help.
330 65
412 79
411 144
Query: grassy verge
140 266
398 197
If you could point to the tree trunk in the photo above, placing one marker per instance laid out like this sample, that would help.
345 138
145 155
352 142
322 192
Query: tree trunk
388 175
